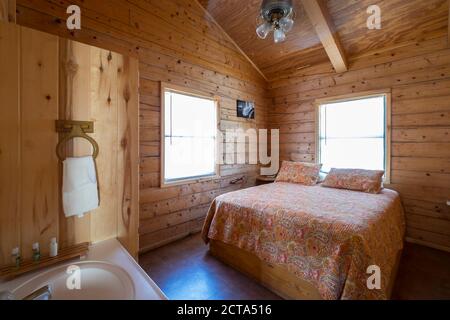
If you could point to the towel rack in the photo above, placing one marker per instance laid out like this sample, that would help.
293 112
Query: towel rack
75 129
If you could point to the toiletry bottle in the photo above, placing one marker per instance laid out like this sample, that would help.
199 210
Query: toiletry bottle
53 248
15 257
36 252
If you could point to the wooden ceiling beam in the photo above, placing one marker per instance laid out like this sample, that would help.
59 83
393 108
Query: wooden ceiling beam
321 20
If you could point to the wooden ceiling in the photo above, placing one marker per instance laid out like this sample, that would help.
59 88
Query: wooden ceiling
402 21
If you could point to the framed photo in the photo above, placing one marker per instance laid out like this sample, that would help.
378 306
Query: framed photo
246 109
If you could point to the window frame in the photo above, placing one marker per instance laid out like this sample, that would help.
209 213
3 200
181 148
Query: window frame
358 96
198 94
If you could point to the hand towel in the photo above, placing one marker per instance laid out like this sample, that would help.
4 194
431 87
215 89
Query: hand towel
80 192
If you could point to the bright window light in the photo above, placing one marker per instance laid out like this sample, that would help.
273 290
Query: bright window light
353 134
190 128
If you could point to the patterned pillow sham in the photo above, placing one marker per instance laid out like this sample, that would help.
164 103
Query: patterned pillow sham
299 172
369 181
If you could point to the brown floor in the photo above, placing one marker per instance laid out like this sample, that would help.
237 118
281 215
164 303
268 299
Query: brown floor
424 273
185 270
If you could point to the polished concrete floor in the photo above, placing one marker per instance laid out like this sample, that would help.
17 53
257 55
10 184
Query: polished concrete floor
185 270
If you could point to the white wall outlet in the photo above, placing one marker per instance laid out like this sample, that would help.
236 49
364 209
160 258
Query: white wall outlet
448 203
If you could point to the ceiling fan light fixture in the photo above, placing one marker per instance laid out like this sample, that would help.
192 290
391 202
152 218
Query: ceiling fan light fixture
286 24
276 16
263 30
279 35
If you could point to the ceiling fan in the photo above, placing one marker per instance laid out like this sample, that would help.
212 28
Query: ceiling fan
277 16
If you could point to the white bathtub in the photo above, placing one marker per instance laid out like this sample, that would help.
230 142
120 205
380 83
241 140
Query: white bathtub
108 272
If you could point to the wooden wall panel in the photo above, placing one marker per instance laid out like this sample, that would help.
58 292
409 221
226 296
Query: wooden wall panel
45 78
128 154
28 164
420 83
102 86
176 43
9 140
39 108
75 104
104 111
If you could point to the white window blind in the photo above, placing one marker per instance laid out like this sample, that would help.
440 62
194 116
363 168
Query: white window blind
190 128
353 134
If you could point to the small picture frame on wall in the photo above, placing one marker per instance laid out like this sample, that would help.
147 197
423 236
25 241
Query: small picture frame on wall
246 109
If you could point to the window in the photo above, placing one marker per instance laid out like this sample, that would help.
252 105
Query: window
189 136
353 133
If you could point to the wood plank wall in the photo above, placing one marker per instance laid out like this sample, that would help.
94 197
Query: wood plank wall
177 43
99 86
29 191
8 10
9 137
419 77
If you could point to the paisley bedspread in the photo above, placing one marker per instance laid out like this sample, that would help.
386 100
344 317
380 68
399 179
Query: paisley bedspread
328 237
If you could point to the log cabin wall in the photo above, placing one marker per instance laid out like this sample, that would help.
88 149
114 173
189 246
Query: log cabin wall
418 75
45 78
176 42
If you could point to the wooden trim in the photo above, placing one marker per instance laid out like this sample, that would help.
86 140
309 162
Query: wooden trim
231 40
317 132
12 11
8 10
448 22
356 96
195 93
428 244
187 91
353 96
321 20
388 141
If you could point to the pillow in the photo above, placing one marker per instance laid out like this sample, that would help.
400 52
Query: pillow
368 181
299 172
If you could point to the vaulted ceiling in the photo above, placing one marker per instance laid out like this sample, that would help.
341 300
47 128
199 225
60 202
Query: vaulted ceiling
403 21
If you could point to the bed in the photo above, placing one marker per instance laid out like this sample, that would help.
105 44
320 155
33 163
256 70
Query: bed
309 242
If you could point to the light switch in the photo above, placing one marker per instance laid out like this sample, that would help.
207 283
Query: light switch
448 203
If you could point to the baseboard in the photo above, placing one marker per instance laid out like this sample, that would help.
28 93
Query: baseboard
159 244
427 244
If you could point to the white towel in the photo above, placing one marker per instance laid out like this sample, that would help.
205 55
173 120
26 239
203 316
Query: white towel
80 193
